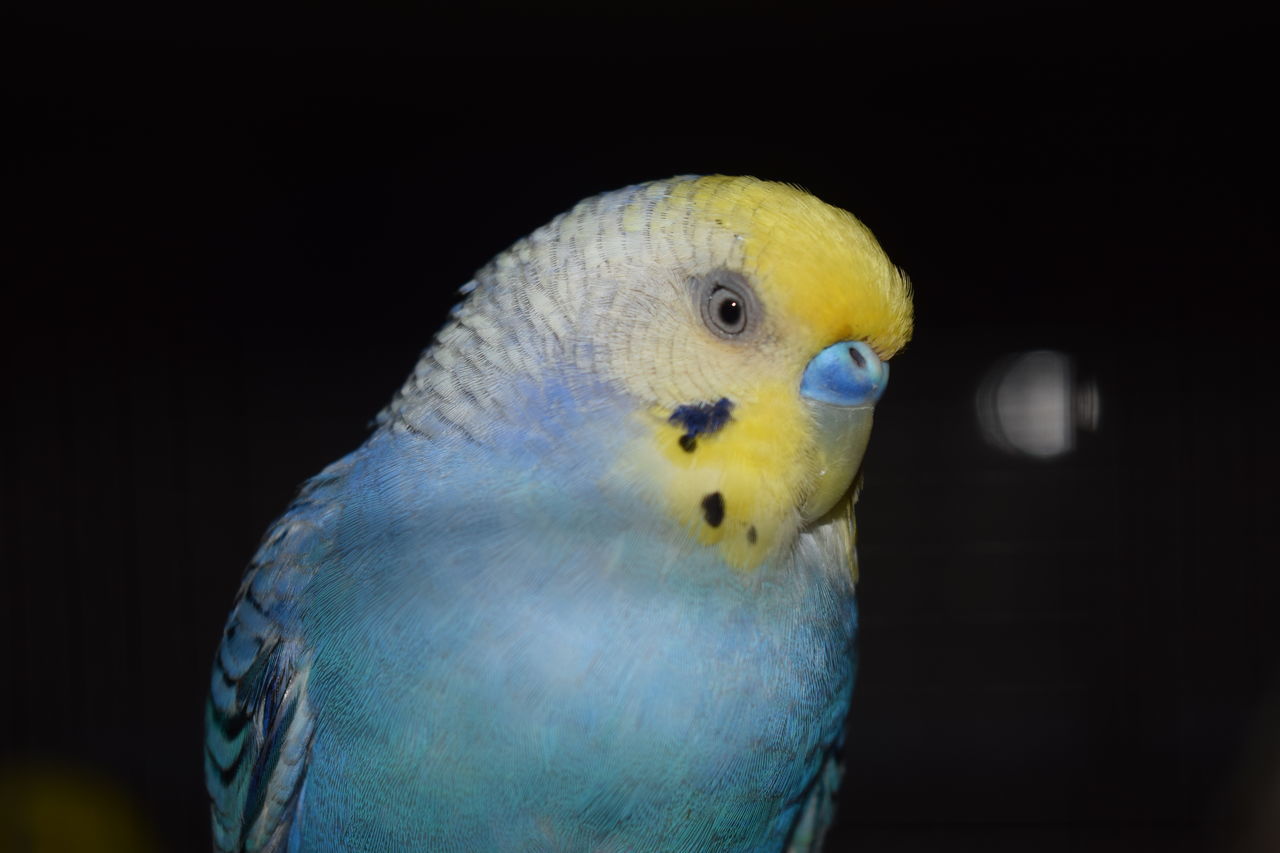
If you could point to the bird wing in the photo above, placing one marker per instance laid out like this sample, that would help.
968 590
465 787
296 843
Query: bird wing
259 725
819 807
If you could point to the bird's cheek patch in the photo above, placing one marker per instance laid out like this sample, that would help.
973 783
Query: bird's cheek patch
728 472
700 419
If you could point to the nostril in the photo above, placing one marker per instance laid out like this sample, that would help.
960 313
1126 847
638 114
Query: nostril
857 358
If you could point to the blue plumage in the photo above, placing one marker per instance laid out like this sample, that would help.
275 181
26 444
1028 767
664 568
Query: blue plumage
519 617
456 667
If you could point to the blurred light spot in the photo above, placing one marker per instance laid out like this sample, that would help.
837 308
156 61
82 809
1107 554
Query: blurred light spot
51 808
1033 404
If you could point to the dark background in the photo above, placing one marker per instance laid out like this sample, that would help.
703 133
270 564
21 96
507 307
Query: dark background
228 235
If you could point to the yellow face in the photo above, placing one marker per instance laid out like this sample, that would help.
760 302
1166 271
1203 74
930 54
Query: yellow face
754 280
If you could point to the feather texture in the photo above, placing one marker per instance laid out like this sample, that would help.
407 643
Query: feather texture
562 598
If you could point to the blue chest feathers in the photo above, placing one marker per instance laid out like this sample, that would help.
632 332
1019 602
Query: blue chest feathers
494 676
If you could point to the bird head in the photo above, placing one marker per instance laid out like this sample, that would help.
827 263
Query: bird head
747 324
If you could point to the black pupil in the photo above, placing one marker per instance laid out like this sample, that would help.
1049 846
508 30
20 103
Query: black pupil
730 310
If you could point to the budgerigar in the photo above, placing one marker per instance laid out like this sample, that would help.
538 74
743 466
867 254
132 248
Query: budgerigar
589 584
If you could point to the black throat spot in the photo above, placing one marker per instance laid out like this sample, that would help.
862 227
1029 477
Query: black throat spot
713 508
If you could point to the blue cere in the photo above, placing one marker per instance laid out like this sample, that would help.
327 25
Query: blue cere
845 374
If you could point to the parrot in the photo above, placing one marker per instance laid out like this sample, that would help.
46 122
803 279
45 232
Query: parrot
588 584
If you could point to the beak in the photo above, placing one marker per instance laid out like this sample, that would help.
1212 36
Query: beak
841 386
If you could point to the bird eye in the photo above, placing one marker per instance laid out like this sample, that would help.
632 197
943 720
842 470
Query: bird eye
728 305
726 310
